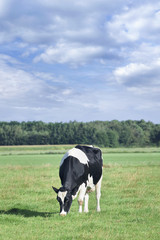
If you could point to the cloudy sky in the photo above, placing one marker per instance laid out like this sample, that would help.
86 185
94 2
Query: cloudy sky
79 60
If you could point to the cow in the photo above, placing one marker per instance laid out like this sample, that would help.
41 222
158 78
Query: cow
80 172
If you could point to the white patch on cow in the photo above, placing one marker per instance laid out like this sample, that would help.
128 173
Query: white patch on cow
86 198
63 213
62 195
90 184
77 153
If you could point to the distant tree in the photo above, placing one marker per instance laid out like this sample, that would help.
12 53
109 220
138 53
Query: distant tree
113 138
101 133
155 135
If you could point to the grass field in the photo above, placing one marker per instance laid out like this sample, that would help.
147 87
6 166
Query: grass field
61 149
130 202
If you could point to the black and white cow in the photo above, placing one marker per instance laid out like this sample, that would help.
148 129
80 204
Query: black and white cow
80 172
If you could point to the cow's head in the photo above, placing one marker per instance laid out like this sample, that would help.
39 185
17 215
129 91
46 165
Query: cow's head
64 198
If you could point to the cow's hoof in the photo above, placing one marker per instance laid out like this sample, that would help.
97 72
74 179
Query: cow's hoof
62 214
86 211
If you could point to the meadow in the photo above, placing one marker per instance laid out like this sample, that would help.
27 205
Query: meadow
130 201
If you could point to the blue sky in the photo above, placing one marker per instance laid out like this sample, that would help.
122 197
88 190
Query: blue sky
79 60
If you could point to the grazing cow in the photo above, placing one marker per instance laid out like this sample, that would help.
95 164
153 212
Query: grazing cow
80 172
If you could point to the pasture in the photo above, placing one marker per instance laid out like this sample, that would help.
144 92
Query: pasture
130 201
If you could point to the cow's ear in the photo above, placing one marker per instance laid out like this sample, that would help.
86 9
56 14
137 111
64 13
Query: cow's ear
55 189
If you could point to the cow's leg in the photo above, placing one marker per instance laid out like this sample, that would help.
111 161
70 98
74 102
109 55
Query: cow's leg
81 196
98 194
86 198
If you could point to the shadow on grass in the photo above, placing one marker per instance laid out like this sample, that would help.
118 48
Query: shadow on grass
27 213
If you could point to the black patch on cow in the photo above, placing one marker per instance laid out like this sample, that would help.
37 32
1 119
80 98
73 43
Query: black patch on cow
73 173
67 202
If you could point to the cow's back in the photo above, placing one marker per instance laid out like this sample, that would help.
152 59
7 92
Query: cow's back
95 161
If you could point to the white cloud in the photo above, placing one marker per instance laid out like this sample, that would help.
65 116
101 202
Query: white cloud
50 24
152 91
137 23
23 89
138 70
78 32
140 79
4 7
15 82
145 53
124 74
73 54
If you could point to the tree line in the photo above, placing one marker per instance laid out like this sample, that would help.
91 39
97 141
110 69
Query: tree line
101 133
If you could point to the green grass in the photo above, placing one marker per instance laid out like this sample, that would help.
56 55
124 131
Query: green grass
130 202
61 149
34 149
